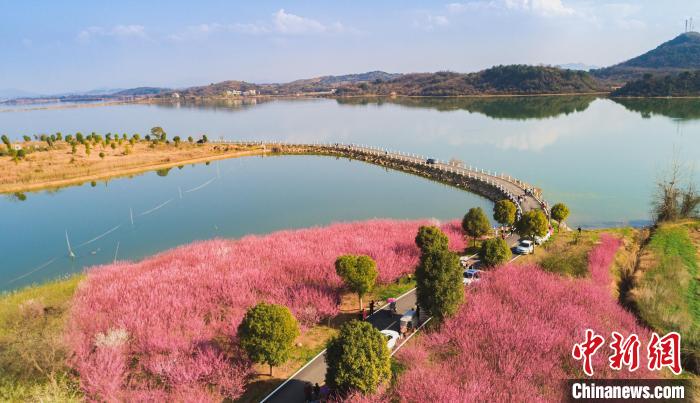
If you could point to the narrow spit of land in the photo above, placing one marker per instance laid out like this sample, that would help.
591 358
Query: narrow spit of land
60 165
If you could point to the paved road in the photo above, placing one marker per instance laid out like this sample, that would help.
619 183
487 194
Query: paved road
315 370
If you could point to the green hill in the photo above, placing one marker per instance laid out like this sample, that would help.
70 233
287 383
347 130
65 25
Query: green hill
679 54
685 84
498 80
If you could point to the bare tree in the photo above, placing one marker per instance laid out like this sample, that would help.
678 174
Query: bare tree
676 198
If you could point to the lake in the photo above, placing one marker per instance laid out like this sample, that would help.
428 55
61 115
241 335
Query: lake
599 156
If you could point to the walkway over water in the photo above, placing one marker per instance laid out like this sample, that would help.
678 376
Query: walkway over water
494 186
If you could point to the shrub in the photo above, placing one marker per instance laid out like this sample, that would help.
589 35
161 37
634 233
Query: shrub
357 359
559 213
439 287
359 273
181 308
475 224
494 251
504 212
267 333
514 337
431 238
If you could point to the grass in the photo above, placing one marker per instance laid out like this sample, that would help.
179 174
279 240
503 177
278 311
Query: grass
666 293
395 289
565 253
32 354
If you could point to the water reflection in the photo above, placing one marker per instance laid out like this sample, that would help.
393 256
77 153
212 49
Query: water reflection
678 108
511 108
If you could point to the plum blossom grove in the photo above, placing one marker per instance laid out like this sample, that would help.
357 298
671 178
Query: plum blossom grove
516 332
164 328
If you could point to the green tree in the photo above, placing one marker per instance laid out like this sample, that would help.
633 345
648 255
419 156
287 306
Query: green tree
267 333
359 273
190 139
87 149
73 149
431 238
176 140
158 133
27 138
6 141
79 137
205 139
533 223
357 359
504 212
21 153
475 224
439 288
559 213
102 155
494 251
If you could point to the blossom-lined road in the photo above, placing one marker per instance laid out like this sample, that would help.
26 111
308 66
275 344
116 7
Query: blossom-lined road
292 390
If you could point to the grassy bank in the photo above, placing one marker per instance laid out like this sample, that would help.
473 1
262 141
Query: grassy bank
32 353
665 293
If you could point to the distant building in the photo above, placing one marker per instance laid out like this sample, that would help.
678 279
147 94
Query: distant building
250 92
176 95
17 147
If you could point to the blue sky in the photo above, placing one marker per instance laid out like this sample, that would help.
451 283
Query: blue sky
51 46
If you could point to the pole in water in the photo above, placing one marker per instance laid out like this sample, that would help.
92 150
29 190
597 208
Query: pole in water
131 216
115 253
70 250
179 189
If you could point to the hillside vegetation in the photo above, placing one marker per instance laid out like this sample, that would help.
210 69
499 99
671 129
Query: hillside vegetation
682 85
679 54
499 80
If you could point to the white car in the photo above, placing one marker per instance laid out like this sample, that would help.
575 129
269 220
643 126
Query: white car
470 276
392 337
525 247
464 260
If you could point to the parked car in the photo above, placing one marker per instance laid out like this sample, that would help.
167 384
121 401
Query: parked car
430 161
392 337
470 276
525 247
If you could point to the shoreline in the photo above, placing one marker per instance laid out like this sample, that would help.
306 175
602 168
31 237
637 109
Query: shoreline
155 101
120 173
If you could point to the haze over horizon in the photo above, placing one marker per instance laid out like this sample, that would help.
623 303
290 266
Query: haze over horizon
79 46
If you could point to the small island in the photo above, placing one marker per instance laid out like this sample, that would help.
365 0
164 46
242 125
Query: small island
53 161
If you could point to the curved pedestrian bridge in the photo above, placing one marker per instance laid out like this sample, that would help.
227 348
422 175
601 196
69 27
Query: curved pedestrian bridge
492 185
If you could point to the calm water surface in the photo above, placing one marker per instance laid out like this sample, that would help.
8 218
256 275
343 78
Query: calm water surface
598 156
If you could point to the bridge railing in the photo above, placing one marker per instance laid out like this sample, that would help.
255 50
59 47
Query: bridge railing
470 172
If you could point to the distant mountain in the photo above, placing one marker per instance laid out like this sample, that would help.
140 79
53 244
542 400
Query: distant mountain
679 54
321 84
498 80
138 91
577 66
11 93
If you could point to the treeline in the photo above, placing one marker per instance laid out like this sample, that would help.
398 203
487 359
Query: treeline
498 80
46 142
684 84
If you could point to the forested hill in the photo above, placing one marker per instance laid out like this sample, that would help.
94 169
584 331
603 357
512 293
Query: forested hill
680 85
499 80
679 54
